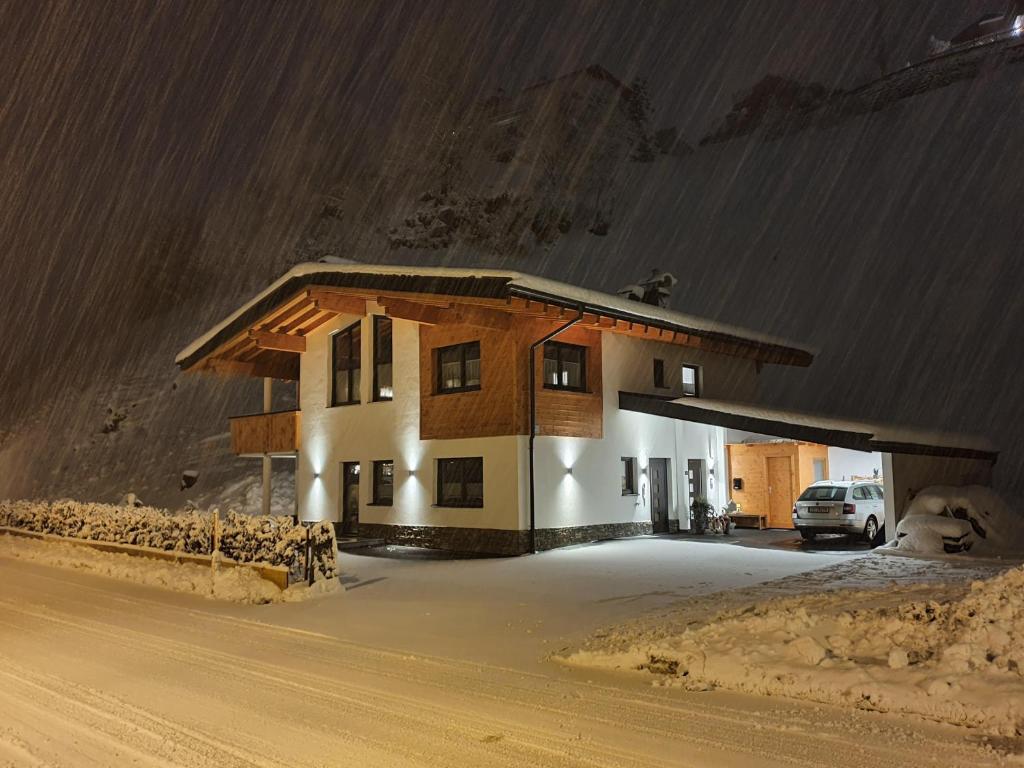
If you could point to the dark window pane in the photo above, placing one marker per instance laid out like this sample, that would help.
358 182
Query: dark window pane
383 482
385 389
472 375
823 493
628 475
550 370
659 373
572 367
458 367
564 366
382 360
460 482
346 362
382 342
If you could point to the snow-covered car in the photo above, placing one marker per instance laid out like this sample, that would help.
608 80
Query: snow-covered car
934 534
855 508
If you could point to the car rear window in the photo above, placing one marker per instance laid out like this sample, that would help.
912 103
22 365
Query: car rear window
823 493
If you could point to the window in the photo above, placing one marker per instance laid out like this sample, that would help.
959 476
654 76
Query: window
860 493
823 493
384 482
819 470
565 366
382 370
691 380
460 482
346 362
876 492
628 476
458 367
659 373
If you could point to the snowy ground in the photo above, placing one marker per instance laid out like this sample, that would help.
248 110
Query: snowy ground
421 663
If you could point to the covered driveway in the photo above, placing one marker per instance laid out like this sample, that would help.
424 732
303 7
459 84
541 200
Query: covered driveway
912 459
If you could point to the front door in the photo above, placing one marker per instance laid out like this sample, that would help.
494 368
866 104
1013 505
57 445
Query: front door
659 495
350 498
780 492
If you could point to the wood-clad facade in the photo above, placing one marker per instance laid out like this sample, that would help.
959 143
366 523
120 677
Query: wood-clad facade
772 475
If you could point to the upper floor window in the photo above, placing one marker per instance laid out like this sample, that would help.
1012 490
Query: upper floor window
460 482
382 359
659 373
565 366
691 381
458 367
346 364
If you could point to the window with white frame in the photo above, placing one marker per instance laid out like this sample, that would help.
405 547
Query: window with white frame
691 381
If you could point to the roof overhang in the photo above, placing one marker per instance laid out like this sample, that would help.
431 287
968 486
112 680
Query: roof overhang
812 428
262 322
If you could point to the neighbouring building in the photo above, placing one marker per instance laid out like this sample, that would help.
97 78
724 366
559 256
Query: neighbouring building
417 388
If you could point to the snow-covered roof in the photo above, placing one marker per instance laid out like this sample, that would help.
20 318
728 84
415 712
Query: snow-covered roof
800 425
492 283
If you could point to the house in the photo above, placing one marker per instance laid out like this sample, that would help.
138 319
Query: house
992 26
497 412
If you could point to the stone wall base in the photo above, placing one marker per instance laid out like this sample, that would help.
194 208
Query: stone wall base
492 541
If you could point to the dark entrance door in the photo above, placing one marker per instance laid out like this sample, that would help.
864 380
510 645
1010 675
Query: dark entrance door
350 498
659 495
697 471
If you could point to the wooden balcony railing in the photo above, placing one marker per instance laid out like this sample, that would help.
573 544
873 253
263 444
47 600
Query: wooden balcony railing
266 433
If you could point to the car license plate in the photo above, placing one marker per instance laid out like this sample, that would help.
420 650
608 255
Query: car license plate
821 510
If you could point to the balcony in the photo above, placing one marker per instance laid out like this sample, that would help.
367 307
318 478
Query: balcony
266 433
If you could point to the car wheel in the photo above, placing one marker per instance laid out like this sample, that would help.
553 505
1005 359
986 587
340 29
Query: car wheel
871 530
808 535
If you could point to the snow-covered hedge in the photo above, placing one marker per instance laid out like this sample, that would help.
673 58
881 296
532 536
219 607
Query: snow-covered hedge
278 540
248 539
142 526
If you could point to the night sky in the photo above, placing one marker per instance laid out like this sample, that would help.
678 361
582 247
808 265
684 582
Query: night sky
166 155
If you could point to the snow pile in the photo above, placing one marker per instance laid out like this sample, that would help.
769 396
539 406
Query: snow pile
948 519
242 585
958 660
275 540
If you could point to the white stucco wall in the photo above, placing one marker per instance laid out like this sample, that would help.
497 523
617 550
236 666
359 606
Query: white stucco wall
592 493
373 431
844 463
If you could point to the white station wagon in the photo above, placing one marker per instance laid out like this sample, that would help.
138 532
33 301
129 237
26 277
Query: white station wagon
855 508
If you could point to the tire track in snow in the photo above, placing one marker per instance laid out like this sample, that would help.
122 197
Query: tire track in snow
633 711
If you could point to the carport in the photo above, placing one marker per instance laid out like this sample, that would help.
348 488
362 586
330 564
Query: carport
912 459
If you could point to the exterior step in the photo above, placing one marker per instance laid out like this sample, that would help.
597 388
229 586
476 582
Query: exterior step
354 542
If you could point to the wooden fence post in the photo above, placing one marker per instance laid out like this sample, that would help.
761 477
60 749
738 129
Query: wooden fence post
214 539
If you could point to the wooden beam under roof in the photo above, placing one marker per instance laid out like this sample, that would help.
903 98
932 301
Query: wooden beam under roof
339 303
482 317
280 342
403 309
263 369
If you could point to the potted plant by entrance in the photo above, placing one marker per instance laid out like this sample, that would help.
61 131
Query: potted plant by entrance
700 512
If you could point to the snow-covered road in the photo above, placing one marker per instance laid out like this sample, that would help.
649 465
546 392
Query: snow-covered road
98 673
